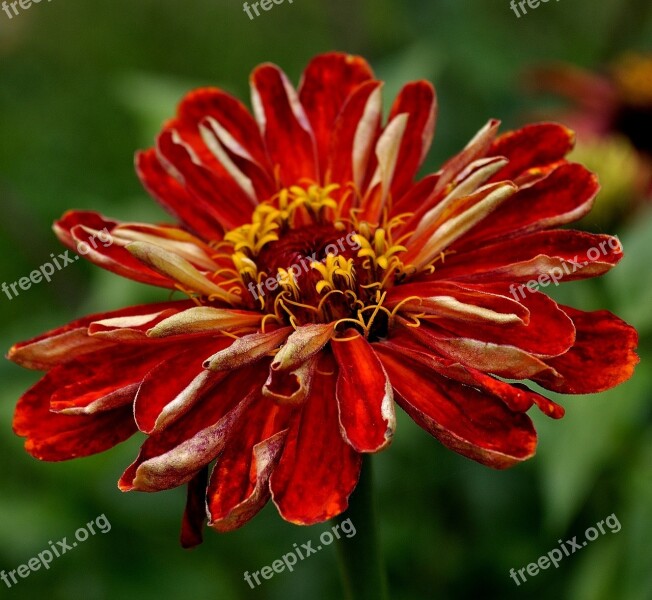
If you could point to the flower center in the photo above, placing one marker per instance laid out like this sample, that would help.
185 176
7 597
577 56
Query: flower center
304 259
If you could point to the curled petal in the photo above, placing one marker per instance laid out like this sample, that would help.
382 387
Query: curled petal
180 270
290 387
204 319
246 350
304 343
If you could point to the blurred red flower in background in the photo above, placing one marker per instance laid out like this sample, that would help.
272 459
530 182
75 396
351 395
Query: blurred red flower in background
611 112
285 376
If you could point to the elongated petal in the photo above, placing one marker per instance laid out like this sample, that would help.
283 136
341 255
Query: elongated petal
67 343
180 270
286 129
472 303
548 332
465 420
516 397
419 101
89 234
531 146
206 179
557 255
388 148
229 513
564 195
503 360
172 195
91 383
327 83
204 319
364 395
318 470
355 134
461 217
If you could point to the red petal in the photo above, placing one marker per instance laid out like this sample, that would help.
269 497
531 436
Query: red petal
231 114
239 485
194 516
565 195
549 331
465 420
211 188
55 437
318 469
469 302
419 101
526 257
286 129
172 456
171 388
516 397
502 360
89 380
364 395
602 357
82 232
174 198
354 137
67 343
327 83
531 146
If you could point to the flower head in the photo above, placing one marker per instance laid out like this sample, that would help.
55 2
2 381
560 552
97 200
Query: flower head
323 284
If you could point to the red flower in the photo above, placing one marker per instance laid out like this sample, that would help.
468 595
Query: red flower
618 101
324 283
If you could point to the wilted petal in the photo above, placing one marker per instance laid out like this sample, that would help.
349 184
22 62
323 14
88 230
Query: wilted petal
204 319
304 343
246 350
180 270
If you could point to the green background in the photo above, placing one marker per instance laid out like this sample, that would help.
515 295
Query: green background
84 84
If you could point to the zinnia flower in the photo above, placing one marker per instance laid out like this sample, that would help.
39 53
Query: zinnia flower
323 283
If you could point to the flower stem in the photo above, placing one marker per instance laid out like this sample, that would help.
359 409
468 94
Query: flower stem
361 566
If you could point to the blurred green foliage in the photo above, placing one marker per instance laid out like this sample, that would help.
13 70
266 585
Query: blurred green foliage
83 85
